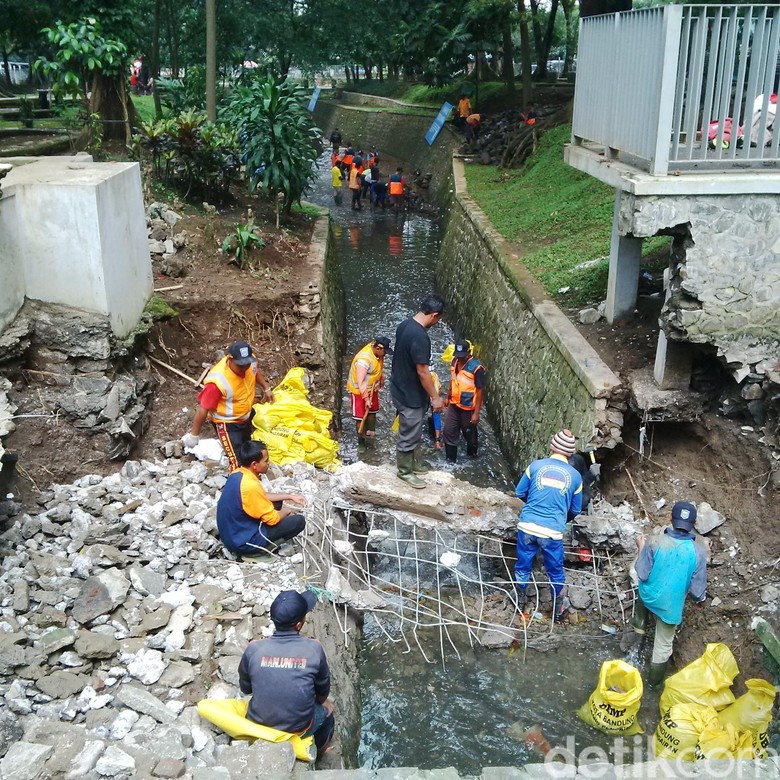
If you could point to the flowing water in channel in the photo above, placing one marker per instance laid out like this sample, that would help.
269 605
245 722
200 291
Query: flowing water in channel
473 711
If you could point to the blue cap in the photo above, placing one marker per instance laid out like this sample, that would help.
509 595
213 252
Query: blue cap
683 515
290 607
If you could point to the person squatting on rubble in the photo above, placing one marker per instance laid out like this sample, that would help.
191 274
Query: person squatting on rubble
288 675
464 401
227 398
249 520
366 379
669 566
412 388
552 492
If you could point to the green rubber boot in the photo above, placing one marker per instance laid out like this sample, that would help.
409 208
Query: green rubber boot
405 463
656 674
419 464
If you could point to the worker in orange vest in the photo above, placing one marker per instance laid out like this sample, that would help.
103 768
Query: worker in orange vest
397 183
464 109
366 379
464 401
227 398
473 122
349 156
355 185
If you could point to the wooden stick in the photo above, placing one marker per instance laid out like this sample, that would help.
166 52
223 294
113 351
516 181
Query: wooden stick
175 370
370 401
172 287
641 502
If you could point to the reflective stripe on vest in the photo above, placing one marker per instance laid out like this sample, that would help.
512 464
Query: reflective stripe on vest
238 393
396 184
374 372
354 184
463 390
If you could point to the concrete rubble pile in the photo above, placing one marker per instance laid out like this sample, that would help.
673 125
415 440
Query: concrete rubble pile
118 613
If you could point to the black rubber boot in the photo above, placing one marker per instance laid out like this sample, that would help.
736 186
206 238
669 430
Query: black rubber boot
472 443
656 674
451 451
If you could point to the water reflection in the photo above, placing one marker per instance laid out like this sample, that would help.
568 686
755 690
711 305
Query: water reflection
387 259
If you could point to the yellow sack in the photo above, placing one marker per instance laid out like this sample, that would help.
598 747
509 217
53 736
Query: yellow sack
679 730
293 429
230 716
752 712
395 427
706 681
613 706
724 742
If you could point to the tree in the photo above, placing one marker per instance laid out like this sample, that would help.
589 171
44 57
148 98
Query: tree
596 7
92 67
277 136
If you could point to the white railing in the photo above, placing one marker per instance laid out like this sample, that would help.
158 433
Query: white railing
686 88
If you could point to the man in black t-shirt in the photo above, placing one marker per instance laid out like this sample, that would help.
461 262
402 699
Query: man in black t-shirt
411 386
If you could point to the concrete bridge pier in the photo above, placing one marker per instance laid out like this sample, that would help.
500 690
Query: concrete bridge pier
625 254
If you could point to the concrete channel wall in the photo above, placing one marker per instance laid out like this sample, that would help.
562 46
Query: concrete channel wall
542 374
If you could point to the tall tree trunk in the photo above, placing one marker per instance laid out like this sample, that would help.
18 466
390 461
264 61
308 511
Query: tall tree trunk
550 30
110 100
568 15
173 37
156 57
379 71
509 58
367 69
525 53
211 60
541 62
346 73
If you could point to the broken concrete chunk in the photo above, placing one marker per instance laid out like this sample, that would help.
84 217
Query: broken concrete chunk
24 761
100 595
707 518
144 702
93 645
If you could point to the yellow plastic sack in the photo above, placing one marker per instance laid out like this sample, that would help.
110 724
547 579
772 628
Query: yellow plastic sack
752 712
679 730
293 429
724 742
613 706
706 681
230 716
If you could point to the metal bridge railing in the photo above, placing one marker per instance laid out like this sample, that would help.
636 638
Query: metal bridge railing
691 88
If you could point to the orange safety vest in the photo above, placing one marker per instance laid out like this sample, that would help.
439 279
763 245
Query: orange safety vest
396 184
464 107
348 159
238 392
354 184
463 391
374 375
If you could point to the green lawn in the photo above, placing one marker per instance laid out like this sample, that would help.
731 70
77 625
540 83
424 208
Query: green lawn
559 216
144 106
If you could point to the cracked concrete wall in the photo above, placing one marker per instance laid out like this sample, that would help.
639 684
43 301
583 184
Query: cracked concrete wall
726 282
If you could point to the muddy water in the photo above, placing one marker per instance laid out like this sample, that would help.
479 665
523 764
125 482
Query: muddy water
473 711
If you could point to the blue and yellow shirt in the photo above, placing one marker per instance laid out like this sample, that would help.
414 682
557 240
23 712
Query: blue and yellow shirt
241 508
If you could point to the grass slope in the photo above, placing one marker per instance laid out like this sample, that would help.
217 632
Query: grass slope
559 216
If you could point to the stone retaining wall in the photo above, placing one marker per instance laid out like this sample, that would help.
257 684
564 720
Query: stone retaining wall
399 135
542 374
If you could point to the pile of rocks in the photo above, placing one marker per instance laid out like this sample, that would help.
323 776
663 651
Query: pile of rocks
119 612
164 242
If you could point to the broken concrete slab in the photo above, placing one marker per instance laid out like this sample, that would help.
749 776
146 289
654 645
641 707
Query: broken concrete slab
100 594
24 761
460 504
659 405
